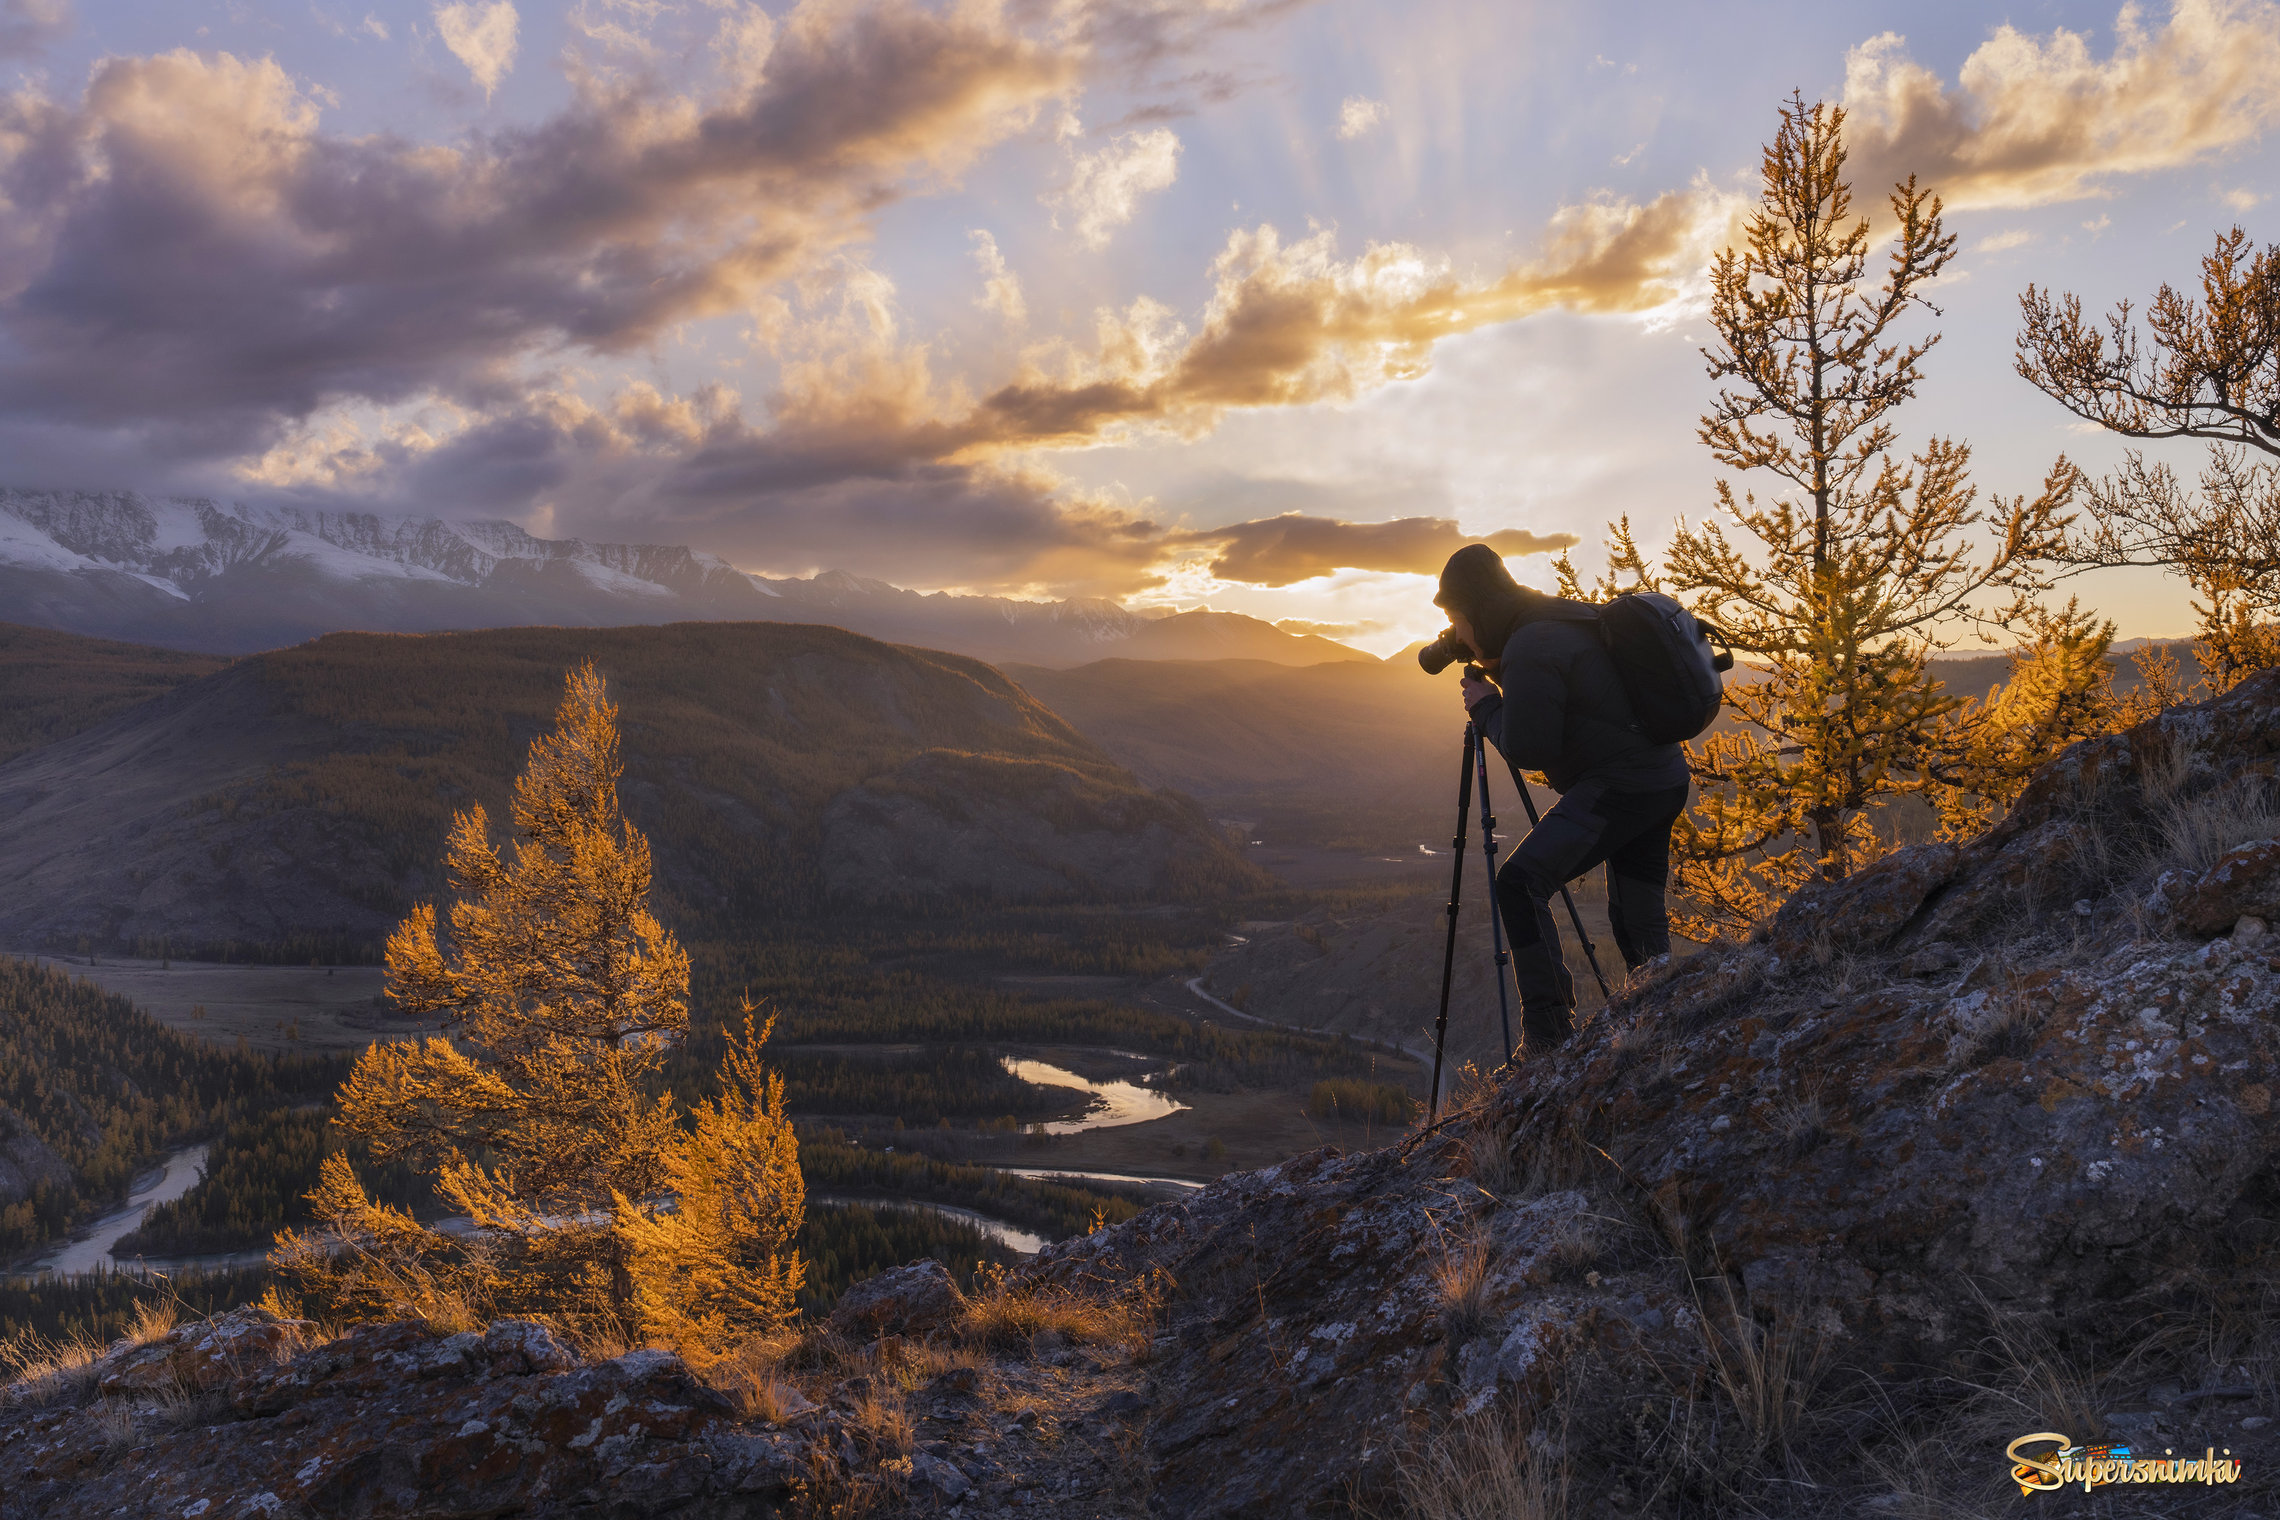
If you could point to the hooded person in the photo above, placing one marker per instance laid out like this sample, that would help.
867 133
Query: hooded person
1553 702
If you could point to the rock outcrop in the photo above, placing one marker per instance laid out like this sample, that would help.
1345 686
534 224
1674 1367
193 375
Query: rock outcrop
232 1417
2019 1081
910 1300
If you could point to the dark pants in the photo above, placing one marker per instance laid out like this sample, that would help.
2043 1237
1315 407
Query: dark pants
1630 832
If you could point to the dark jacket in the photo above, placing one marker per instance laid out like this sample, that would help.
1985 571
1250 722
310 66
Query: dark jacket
1563 710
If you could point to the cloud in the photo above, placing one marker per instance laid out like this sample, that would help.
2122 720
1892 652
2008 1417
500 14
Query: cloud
187 251
2003 242
1001 288
745 41
2243 199
2035 120
28 26
192 266
1105 187
1358 116
482 36
375 26
1292 324
1279 551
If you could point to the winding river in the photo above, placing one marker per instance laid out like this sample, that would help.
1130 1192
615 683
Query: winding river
1119 1102
93 1250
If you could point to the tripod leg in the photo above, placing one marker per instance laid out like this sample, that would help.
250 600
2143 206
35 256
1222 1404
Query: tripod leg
1495 909
1590 951
1456 895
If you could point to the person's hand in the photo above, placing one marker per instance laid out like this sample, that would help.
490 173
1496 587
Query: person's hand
1474 688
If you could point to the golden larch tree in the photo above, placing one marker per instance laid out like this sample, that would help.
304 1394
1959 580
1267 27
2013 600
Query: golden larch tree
2061 689
1864 562
538 1112
2211 372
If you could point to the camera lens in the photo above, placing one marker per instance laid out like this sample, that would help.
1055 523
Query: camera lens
1442 653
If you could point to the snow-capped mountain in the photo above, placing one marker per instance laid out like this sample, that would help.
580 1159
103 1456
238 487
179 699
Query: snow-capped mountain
194 573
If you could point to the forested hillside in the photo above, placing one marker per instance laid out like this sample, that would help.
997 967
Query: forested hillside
52 685
296 802
92 1090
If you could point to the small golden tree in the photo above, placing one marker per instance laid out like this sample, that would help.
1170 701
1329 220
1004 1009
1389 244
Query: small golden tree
717 1268
2213 373
2061 690
537 1112
1839 589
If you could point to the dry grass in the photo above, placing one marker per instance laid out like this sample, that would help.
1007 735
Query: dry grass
155 1319
42 1373
2034 1380
2198 832
1577 1245
828 1491
183 1408
1768 1374
754 1379
1460 1282
1802 1121
117 1427
2031 1383
911 1365
1559 1161
1004 1313
1487 1467
1489 1160
2009 1029
881 1423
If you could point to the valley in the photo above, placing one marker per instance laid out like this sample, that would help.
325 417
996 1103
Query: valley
975 927
1043 946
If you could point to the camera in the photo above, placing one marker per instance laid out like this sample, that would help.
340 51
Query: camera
1443 652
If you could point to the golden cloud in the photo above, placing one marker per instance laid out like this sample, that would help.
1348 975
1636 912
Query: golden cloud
1292 324
2033 120
1279 551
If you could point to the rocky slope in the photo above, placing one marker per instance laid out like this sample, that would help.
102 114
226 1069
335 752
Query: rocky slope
1958 1105
1975 1144
226 577
303 796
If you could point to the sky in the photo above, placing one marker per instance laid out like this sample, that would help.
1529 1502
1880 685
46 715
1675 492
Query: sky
1262 305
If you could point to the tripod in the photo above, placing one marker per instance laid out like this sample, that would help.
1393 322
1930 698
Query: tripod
1472 772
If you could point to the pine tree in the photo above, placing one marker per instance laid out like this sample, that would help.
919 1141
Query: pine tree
1840 588
537 1112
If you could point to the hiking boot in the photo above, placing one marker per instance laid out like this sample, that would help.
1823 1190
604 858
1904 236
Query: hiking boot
1545 1029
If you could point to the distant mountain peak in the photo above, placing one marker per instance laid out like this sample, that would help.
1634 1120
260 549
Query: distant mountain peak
190 572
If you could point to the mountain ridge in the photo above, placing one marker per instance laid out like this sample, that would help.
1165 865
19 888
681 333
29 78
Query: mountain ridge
301 797
227 578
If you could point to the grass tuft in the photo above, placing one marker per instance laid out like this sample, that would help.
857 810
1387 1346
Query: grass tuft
1460 1280
42 1372
1006 1313
1485 1467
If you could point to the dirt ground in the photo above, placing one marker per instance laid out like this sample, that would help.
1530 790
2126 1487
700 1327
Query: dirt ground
273 1008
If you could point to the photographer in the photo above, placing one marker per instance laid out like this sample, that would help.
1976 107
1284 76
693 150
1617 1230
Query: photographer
1558 706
